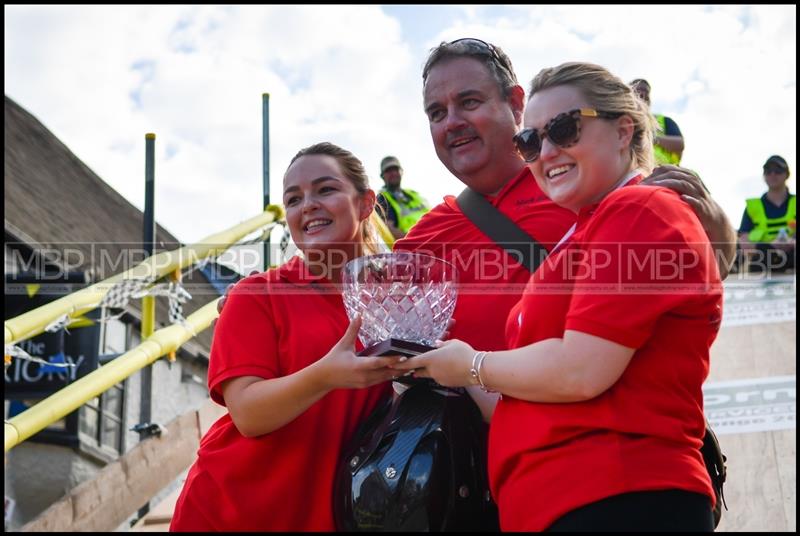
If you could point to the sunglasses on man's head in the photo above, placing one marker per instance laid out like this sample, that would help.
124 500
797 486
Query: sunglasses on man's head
483 45
486 48
563 130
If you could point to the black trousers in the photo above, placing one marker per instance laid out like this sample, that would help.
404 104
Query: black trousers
641 511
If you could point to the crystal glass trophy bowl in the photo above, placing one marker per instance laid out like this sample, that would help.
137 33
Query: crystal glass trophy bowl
405 300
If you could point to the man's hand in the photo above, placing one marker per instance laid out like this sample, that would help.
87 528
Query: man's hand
716 224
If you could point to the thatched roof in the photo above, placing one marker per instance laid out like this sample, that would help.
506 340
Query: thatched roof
54 201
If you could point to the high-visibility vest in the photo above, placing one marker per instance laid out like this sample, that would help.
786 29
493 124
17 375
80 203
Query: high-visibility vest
409 213
766 229
662 155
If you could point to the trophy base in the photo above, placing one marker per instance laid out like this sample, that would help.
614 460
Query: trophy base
406 348
396 347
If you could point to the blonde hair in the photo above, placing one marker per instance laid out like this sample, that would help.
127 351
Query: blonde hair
608 93
354 171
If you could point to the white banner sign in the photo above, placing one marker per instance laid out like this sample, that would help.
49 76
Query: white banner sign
753 405
759 302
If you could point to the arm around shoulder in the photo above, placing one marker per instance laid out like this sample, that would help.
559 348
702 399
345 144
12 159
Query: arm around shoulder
711 215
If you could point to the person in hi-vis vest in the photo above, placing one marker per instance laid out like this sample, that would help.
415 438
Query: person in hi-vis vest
401 207
668 140
769 223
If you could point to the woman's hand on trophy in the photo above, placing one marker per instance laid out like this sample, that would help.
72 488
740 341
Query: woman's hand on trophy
342 368
448 365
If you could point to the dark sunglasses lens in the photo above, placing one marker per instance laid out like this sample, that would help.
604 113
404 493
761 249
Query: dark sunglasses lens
528 144
472 41
563 130
773 169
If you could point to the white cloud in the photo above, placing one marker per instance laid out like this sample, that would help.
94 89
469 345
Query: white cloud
101 77
726 74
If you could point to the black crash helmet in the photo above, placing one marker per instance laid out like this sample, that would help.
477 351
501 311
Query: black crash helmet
417 464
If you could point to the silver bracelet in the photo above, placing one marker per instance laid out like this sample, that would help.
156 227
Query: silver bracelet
480 381
475 371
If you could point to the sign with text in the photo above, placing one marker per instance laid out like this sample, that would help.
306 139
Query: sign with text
759 302
78 349
752 405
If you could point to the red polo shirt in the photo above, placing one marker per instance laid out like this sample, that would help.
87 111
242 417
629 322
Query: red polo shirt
638 271
490 280
274 324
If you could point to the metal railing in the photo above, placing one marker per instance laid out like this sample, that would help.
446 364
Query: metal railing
35 321
160 343
74 395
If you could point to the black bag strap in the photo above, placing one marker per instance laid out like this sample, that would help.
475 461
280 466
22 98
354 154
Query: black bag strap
717 470
501 229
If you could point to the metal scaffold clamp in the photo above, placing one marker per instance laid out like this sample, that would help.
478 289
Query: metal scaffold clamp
149 429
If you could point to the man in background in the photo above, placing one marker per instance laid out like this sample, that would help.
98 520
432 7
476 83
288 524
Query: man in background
769 223
401 207
668 140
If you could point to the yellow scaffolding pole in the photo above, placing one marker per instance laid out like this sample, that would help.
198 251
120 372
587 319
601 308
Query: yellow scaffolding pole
65 401
34 322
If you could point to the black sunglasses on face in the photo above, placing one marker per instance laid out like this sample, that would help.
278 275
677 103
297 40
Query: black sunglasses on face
563 130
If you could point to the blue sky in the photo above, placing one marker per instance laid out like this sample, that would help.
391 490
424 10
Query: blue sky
100 77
